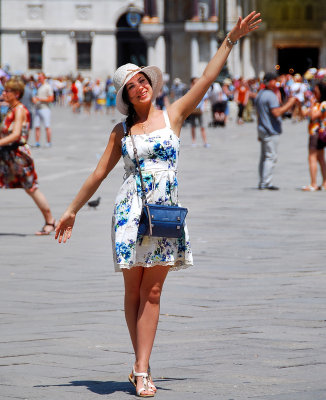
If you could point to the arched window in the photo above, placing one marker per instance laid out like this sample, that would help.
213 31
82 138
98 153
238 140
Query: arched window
131 46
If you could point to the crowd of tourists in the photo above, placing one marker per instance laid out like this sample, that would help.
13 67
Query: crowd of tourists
83 94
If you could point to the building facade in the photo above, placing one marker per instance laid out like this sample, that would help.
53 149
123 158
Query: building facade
94 37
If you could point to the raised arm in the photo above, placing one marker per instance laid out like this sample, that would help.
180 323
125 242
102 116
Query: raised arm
180 109
107 162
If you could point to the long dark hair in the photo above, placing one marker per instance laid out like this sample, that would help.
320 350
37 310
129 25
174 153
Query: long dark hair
322 91
132 115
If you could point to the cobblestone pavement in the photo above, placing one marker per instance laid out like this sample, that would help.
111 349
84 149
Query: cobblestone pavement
247 322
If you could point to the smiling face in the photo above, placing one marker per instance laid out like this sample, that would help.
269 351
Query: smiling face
139 89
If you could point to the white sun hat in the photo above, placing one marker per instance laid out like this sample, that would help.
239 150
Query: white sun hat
124 73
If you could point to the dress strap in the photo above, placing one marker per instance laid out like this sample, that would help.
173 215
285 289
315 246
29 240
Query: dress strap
166 119
125 130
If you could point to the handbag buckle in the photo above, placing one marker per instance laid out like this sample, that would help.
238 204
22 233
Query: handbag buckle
178 219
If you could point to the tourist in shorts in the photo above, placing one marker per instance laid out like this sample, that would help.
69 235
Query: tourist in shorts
42 110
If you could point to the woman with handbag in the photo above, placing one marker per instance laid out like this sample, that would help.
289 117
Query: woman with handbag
16 163
149 142
317 139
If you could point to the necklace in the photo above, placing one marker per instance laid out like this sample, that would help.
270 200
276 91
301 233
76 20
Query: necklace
144 126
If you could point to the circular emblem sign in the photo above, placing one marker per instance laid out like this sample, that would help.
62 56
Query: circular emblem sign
133 19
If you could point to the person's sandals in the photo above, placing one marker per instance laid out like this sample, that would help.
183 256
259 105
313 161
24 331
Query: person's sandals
46 229
309 188
145 388
150 380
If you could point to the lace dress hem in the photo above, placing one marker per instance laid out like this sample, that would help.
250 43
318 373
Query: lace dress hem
174 266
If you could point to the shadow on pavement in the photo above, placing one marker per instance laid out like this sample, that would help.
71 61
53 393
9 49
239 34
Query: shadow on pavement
106 387
13 234
98 387
110 387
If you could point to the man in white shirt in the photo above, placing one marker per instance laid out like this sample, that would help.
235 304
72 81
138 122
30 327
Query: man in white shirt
42 110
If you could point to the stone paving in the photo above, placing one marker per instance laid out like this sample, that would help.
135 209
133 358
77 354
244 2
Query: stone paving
247 322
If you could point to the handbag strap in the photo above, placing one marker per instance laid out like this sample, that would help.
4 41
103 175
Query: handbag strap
143 196
139 169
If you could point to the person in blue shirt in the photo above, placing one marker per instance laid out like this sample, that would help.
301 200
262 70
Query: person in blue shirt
269 112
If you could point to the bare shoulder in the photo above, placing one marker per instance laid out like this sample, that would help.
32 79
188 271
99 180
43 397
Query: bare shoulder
19 114
118 131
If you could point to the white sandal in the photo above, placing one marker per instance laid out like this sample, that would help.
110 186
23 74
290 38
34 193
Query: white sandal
150 379
145 388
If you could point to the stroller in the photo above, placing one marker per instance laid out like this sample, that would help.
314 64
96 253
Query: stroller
218 101
219 113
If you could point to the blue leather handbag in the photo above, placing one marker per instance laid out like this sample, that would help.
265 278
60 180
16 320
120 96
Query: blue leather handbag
158 219
162 221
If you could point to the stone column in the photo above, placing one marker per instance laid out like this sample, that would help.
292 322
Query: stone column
269 52
195 16
154 11
194 56
212 11
234 61
151 32
151 55
248 69
150 9
260 57
160 50
213 45
147 15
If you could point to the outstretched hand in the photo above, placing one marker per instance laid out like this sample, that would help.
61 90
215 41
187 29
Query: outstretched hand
64 227
245 26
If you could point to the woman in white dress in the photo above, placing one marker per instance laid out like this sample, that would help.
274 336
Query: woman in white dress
145 261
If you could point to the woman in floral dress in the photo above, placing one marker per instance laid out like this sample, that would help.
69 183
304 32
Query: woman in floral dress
16 163
145 261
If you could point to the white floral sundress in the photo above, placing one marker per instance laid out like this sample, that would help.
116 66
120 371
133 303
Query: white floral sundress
158 153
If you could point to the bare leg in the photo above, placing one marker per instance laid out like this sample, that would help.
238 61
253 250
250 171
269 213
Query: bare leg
48 134
312 159
132 279
42 203
193 134
37 134
143 287
322 163
203 135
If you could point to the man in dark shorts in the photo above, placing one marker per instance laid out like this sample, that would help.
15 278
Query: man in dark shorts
196 119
